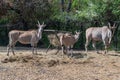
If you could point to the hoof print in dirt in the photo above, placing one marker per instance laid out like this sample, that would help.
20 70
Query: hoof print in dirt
24 60
52 63
5 60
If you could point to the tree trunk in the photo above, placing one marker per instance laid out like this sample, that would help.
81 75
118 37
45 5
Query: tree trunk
3 10
69 6
62 5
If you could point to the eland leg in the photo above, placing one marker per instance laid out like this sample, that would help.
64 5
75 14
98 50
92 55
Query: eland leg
71 51
36 50
58 49
88 39
86 45
106 46
11 46
35 46
8 49
62 50
33 49
94 46
48 48
105 49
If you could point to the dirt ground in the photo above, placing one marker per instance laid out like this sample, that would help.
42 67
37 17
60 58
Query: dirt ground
25 66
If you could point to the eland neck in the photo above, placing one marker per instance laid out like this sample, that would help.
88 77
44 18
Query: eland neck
76 36
39 33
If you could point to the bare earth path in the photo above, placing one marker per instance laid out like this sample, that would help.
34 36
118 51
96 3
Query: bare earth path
25 66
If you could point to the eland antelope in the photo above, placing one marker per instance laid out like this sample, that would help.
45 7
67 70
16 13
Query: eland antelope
103 34
25 37
54 40
68 40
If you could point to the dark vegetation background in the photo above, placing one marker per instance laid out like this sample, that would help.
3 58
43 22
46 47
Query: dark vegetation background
63 15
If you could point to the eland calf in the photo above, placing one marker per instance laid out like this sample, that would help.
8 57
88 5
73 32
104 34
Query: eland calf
54 40
25 37
103 34
68 40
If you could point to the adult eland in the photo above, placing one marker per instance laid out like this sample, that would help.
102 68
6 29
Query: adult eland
25 37
103 34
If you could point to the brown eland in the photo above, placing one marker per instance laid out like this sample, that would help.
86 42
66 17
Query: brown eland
25 37
68 40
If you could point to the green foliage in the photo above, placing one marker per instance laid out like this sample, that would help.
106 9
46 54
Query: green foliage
4 20
83 13
83 10
30 11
